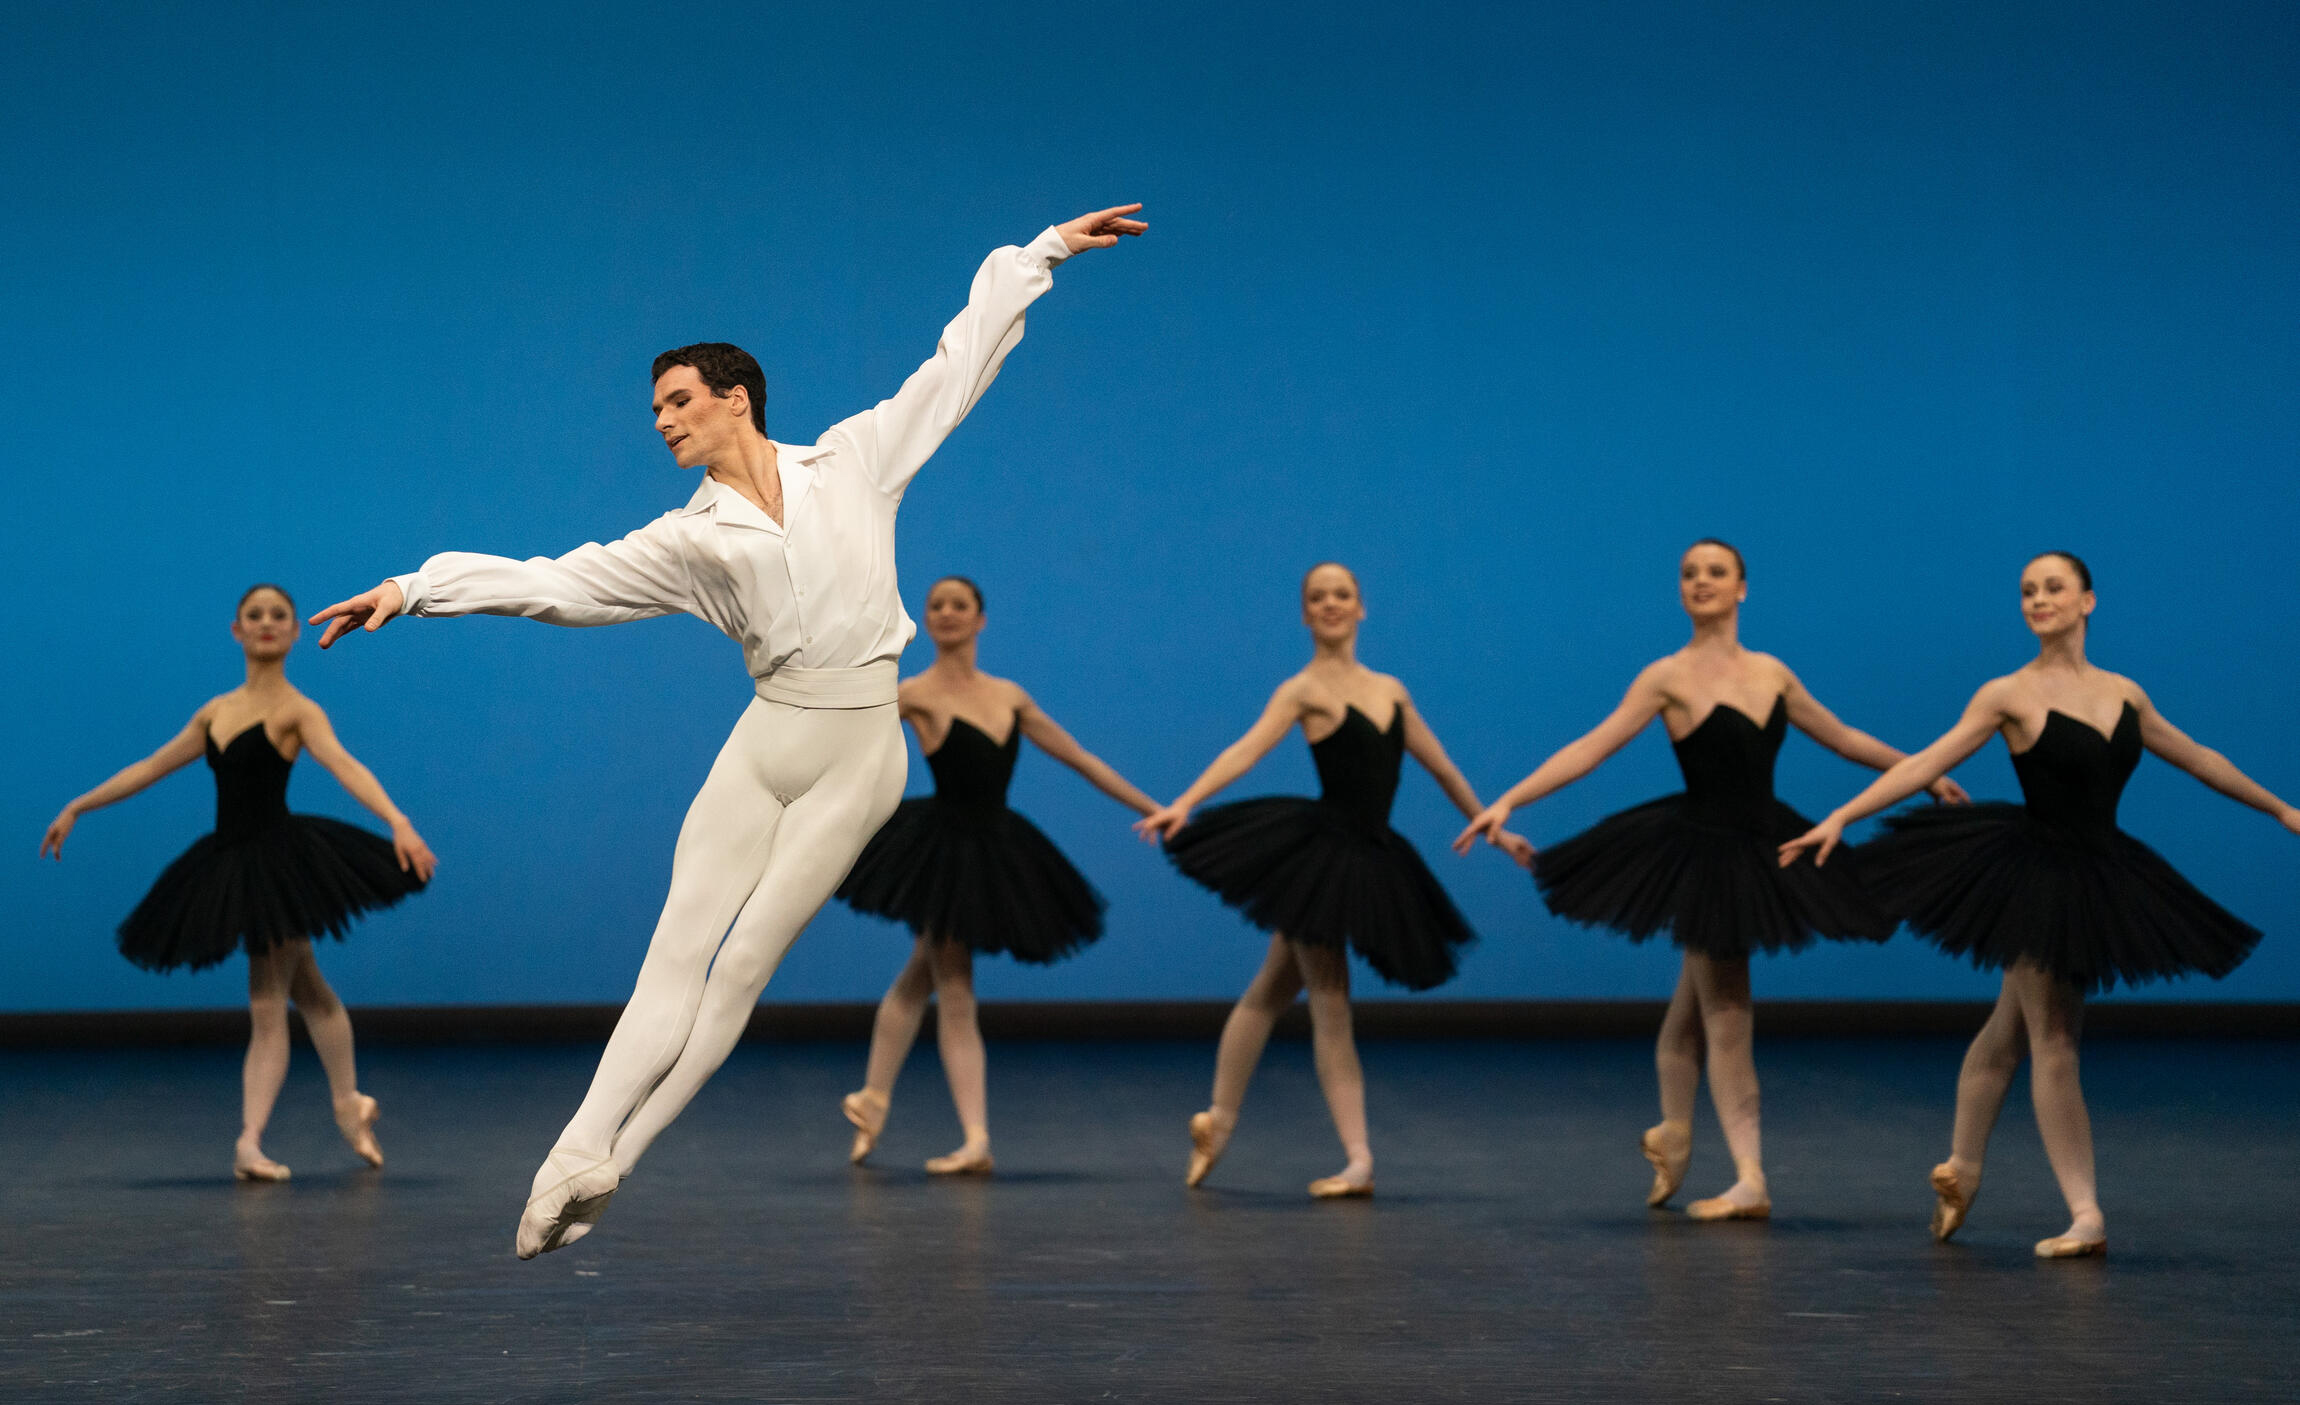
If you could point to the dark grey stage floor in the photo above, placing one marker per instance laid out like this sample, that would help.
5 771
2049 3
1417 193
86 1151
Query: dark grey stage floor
1509 1256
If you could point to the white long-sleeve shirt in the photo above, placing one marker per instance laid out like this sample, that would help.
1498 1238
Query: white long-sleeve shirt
816 592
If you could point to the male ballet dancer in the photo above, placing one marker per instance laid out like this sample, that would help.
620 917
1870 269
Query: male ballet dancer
790 550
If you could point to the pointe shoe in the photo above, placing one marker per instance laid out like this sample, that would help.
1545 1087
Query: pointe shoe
1669 1146
356 1117
255 1166
2065 1247
1341 1188
1208 1140
1952 1201
966 1161
1718 1207
867 1110
564 1211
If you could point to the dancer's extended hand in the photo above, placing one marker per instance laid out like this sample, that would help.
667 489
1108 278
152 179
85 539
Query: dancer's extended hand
1947 792
1101 229
415 856
369 612
1519 848
1162 823
52 843
1823 837
1487 826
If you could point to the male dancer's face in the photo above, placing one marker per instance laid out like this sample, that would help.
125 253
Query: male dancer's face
699 428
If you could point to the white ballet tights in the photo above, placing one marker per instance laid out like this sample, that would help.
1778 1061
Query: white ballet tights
794 795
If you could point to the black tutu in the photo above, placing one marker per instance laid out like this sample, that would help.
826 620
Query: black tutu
982 876
1996 884
1323 875
1714 888
301 876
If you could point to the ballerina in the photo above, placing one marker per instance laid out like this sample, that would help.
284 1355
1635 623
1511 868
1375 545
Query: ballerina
2050 892
267 881
789 549
1701 865
1324 877
966 873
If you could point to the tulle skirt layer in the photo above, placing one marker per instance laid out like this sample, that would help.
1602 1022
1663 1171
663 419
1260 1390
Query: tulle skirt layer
1996 885
307 876
1717 889
1320 875
982 876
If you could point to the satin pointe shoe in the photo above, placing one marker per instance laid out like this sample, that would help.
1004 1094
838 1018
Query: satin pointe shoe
1952 1201
1717 1207
966 1161
356 1117
257 1167
2064 1247
1669 1146
1341 1188
867 1111
1208 1140
568 1206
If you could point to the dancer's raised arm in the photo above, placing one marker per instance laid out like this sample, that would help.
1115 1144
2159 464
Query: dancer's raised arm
1278 718
898 435
1577 758
2207 765
1855 745
1059 744
181 750
1983 716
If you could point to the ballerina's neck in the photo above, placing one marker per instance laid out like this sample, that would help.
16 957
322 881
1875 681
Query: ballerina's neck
2064 650
1722 633
956 662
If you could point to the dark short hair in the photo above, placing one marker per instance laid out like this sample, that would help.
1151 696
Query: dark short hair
1721 544
723 366
2075 563
1337 566
971 588
252 591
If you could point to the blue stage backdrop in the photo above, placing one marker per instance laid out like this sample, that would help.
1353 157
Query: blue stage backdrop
1502 305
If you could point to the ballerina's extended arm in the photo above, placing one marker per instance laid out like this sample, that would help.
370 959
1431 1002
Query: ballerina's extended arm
1577 758
2207 765
1059 744
1278 718
1855 745
320 740
1424 746
181 750
1983 716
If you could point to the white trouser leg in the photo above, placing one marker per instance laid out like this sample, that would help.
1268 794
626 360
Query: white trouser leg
790 802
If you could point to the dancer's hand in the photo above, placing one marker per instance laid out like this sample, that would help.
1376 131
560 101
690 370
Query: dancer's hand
52 843
1519 848
1488 823
414 855
1162 823
1823 837
1101 229
1947 792
369 612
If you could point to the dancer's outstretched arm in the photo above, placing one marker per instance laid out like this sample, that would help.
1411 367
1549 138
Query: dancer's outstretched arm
320 740
1423 745
1983 716
639 577
1055 742
2207 765
1278 718
182 750
1855 745
1577 758
898 435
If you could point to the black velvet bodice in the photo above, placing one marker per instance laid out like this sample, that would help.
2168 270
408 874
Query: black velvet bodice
251 783
1358 766
2073 776
1728 766
971 769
